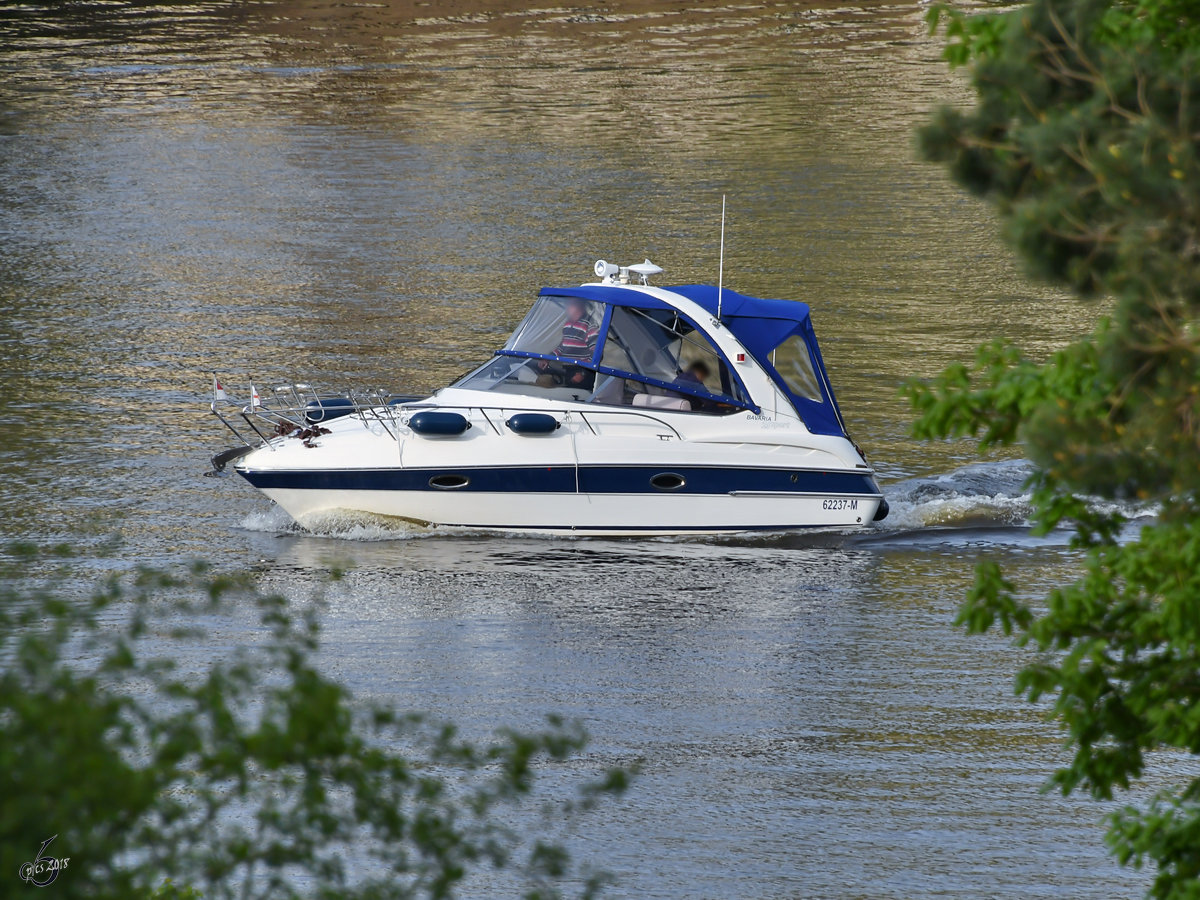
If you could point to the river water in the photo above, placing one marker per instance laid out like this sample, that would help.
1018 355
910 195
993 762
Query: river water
371 194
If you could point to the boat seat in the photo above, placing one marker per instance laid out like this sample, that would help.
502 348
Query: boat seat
655 402
611 391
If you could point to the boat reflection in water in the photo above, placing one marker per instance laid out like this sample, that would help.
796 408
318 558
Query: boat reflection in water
616 408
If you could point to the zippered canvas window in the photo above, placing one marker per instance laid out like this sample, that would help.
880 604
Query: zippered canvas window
794 364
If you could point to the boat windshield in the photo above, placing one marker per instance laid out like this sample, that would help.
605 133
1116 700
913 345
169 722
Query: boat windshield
559 326
586 351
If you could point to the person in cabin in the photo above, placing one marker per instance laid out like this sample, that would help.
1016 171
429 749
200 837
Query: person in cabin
696 376
579 336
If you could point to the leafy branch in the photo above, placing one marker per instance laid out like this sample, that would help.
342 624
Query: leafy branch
251 775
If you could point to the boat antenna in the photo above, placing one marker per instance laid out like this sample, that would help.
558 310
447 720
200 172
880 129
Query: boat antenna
721 264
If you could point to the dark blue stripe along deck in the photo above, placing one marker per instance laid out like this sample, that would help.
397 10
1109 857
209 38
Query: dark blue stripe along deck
561 480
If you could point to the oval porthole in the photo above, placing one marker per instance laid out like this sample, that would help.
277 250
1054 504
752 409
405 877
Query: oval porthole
667 481
448 482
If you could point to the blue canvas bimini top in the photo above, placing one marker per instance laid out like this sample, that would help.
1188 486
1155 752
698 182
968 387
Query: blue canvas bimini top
760 325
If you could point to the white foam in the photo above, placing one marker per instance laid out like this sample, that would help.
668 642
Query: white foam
271 519
957 511
339 524
980 494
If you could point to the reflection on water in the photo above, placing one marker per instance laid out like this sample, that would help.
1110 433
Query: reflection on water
372 194
805 723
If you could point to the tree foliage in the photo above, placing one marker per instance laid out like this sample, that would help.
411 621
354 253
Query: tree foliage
1085 135
251 775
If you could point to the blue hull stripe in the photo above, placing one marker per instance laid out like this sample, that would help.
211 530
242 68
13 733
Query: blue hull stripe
561 480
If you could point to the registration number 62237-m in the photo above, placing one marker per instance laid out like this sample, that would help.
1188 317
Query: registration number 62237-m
841 503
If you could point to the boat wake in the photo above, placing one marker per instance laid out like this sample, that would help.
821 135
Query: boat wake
985 495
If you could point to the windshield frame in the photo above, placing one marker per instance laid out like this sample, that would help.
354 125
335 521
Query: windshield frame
727 373
605 325
543 301
673 386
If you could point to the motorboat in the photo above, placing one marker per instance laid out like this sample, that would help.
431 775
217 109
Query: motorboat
617 407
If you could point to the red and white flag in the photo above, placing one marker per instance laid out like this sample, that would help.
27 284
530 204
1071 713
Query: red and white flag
218 391
255 400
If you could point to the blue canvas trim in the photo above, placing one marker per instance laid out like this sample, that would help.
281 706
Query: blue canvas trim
621 297
760 325
703 480
814 349
605 324
819 416
742 305
600 293
703 295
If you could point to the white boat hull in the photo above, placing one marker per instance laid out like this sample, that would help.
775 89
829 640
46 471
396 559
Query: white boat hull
586 515
600 472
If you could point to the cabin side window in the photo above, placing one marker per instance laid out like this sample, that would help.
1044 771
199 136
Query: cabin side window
794 364
663 346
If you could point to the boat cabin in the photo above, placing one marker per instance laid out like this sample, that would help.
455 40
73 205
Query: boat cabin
618 345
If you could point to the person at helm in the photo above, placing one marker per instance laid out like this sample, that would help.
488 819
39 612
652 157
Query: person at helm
579 336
